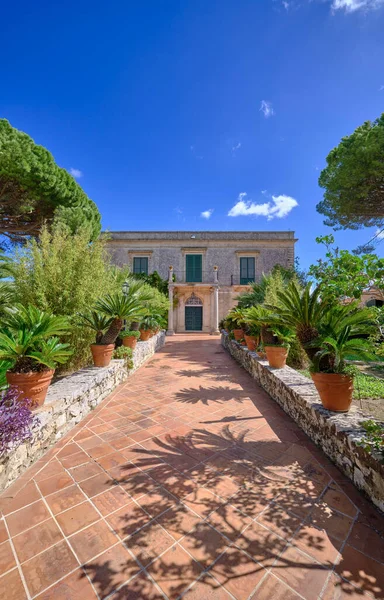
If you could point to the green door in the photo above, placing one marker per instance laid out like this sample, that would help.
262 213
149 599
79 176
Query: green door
193 318
193 268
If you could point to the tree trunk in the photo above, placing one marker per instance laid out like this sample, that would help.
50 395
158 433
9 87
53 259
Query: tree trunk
113 331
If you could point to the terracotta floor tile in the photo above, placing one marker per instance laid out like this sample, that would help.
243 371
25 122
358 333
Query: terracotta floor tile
280 521
339 589
100 450
73 587
301 573
111 460
238 573
204 543
174 571
68 450
92 541
339 501
203 502
97 484
334 523
139 588
111 500
27 517
138 484
366 540
157 501
128 519
111 569
272 588
79 458
11 586
363 572
178 521
54 467
77 517
66 498
7 559
3 532
55 483
149 542
89 469
207 588
122 442
25 496
261 544
229 521
35 540
318 544
47 568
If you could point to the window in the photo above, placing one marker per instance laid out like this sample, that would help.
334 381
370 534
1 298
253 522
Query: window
140 264
247 270
193 268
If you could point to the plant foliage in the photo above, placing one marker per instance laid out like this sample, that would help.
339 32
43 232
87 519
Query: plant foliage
16 420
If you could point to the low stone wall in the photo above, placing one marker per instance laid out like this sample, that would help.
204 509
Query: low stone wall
337 434
68 401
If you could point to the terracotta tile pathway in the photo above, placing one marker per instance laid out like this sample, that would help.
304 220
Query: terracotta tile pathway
188 481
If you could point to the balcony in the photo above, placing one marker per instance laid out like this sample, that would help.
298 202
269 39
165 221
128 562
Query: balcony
207 277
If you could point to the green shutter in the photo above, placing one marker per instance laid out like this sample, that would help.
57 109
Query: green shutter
140 264
247 270
194 268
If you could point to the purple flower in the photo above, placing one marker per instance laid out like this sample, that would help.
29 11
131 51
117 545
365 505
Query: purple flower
16 420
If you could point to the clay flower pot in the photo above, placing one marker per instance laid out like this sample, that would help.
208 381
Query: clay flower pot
239 334
102 354
145 334
252 342
277 356
33 385
130 341
335 390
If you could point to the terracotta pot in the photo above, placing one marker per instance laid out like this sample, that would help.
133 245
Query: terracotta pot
277 356
252 342
31 385
335 390
239 334
130 341
145 334
262 355
102 354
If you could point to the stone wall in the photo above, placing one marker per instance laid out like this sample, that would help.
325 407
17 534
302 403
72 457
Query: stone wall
68 401
337 434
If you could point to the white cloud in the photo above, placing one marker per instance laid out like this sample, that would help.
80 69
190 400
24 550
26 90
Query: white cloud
379 234
236 147
353 5
206 214
278 208
285 4
267 109
76 173
381 88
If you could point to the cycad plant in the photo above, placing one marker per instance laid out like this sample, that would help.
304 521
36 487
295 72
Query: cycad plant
29 340
119 307
97 322
337 348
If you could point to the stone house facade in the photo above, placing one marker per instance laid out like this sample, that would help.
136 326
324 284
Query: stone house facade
207 270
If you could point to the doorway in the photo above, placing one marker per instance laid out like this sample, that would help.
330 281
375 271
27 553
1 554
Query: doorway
193 318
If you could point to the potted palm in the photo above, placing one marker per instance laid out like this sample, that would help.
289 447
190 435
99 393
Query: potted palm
116 308
30 345
277 347
129 338
235 317
330 372
147 326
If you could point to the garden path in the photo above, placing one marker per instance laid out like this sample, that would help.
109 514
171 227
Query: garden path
188 481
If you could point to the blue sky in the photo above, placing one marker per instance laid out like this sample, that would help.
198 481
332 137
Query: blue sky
170 112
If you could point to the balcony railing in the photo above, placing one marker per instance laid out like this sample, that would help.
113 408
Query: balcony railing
208 276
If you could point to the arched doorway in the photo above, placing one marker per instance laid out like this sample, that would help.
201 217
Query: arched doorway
193 313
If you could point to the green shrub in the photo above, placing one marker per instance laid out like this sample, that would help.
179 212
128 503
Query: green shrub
127 333
65 274
126 354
